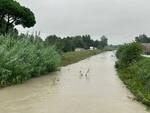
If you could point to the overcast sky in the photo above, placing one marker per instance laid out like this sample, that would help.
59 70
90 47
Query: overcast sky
119 20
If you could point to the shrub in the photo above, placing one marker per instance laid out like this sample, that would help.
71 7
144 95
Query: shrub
129 53
21 59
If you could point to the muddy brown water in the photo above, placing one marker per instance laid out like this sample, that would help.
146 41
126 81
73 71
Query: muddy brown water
89 86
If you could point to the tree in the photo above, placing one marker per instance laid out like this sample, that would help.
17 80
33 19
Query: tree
52 39
77 41
142 39
96 44
12 14
129 53
69 43
87 40
103 43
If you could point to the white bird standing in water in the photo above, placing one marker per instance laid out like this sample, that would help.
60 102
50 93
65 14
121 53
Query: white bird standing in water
81 73
87 72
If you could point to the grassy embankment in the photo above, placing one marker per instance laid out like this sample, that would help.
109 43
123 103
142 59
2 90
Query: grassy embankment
137 79
73 57
134 71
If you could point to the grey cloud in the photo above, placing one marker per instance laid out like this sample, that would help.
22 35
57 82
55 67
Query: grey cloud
119 20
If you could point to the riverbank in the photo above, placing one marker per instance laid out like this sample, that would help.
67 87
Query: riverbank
75 56
25 57
137 79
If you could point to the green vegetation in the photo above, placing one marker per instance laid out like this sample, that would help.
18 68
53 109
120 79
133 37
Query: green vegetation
137 79
12 14
129 53
73 57
70 43
134 71
142 38
23 57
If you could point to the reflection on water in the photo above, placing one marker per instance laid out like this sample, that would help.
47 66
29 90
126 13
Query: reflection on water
90 86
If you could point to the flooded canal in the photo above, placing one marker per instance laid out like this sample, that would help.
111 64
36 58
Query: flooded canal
90 86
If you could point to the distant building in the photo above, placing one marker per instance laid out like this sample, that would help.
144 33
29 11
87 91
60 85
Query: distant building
92 48
146 47
79 49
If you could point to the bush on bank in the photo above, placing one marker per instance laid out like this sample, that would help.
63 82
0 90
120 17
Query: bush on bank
136 73
24 57
129 53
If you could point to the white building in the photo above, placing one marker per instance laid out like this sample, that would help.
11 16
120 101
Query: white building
92 48
79 49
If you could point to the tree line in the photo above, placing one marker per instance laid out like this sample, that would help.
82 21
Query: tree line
142 39
70 43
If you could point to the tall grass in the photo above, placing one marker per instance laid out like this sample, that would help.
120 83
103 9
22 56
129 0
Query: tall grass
137 79
73 57
24 57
